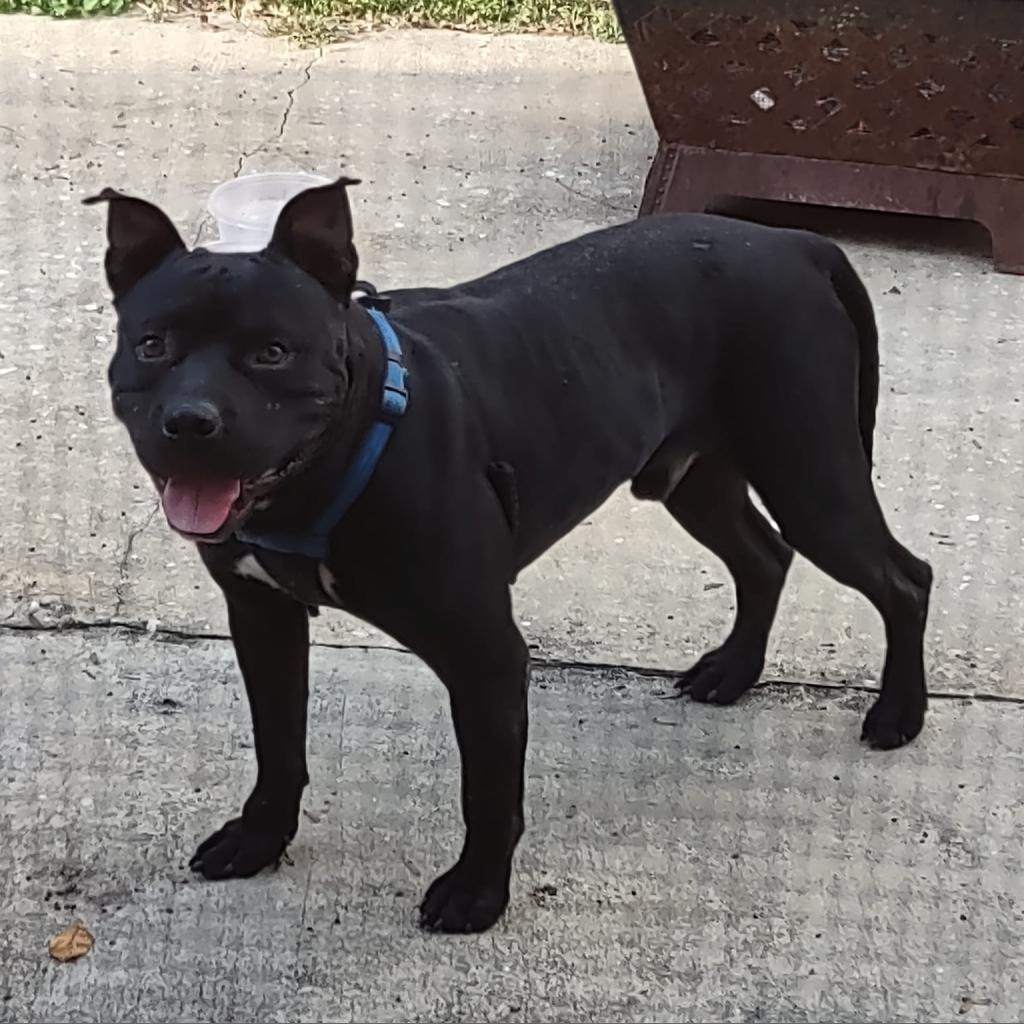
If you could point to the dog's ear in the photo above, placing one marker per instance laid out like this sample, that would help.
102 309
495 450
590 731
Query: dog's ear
140 236
314 231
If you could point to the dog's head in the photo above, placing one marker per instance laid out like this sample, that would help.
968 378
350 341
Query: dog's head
229 368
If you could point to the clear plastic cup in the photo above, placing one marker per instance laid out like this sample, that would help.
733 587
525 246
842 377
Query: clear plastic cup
221 246
246 208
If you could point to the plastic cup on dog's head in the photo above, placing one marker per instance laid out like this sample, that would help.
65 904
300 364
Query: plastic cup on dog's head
246 208
221 246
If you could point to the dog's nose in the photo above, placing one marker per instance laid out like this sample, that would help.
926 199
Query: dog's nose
192 421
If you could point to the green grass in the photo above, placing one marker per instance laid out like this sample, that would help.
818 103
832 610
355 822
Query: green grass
65 8
578 17
319 20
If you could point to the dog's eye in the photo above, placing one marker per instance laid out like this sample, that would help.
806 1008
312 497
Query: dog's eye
151 348
273 355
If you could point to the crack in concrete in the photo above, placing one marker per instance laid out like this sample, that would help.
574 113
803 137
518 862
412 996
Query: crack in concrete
169 634
122 568
203 221
598 200
302 917
307 72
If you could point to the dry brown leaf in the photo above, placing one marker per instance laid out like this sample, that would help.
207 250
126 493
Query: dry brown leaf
74 941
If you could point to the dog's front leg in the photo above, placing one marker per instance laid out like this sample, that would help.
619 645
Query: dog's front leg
271 637
489 708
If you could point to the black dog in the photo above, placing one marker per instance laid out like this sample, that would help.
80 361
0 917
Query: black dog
405 468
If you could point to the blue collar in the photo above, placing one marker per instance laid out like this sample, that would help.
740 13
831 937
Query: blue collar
312 541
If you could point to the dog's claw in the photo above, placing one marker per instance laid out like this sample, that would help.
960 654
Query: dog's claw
459 903
237 851
887 727
721 676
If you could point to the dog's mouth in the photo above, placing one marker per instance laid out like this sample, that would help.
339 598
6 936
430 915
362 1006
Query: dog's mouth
209 509
202 509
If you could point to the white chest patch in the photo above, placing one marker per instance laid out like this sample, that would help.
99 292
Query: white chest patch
327 582
688 464
250 569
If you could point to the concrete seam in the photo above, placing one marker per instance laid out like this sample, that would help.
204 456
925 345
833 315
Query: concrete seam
171 635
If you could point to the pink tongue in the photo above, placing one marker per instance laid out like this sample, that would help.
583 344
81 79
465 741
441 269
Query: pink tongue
199 507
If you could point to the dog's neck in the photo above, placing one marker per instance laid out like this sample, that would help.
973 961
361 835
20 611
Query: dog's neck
300 498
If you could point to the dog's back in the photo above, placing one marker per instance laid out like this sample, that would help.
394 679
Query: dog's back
627 336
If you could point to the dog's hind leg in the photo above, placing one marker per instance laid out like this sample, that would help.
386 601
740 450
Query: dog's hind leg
712 503
833 519
808 459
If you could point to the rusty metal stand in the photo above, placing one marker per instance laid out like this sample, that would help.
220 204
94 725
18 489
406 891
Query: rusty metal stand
690 178
909 106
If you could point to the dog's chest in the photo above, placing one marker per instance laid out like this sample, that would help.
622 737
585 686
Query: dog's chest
302 579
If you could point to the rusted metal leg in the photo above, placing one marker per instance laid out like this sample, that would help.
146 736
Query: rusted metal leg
678 183
689 178
1008 240
906 106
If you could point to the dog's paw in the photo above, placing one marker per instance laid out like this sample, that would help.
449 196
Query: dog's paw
722 676
460 902
238 851
888 725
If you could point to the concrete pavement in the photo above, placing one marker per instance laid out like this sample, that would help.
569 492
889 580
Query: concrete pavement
474 151
681 863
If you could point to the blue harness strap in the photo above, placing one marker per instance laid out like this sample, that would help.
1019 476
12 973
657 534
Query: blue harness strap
312 540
